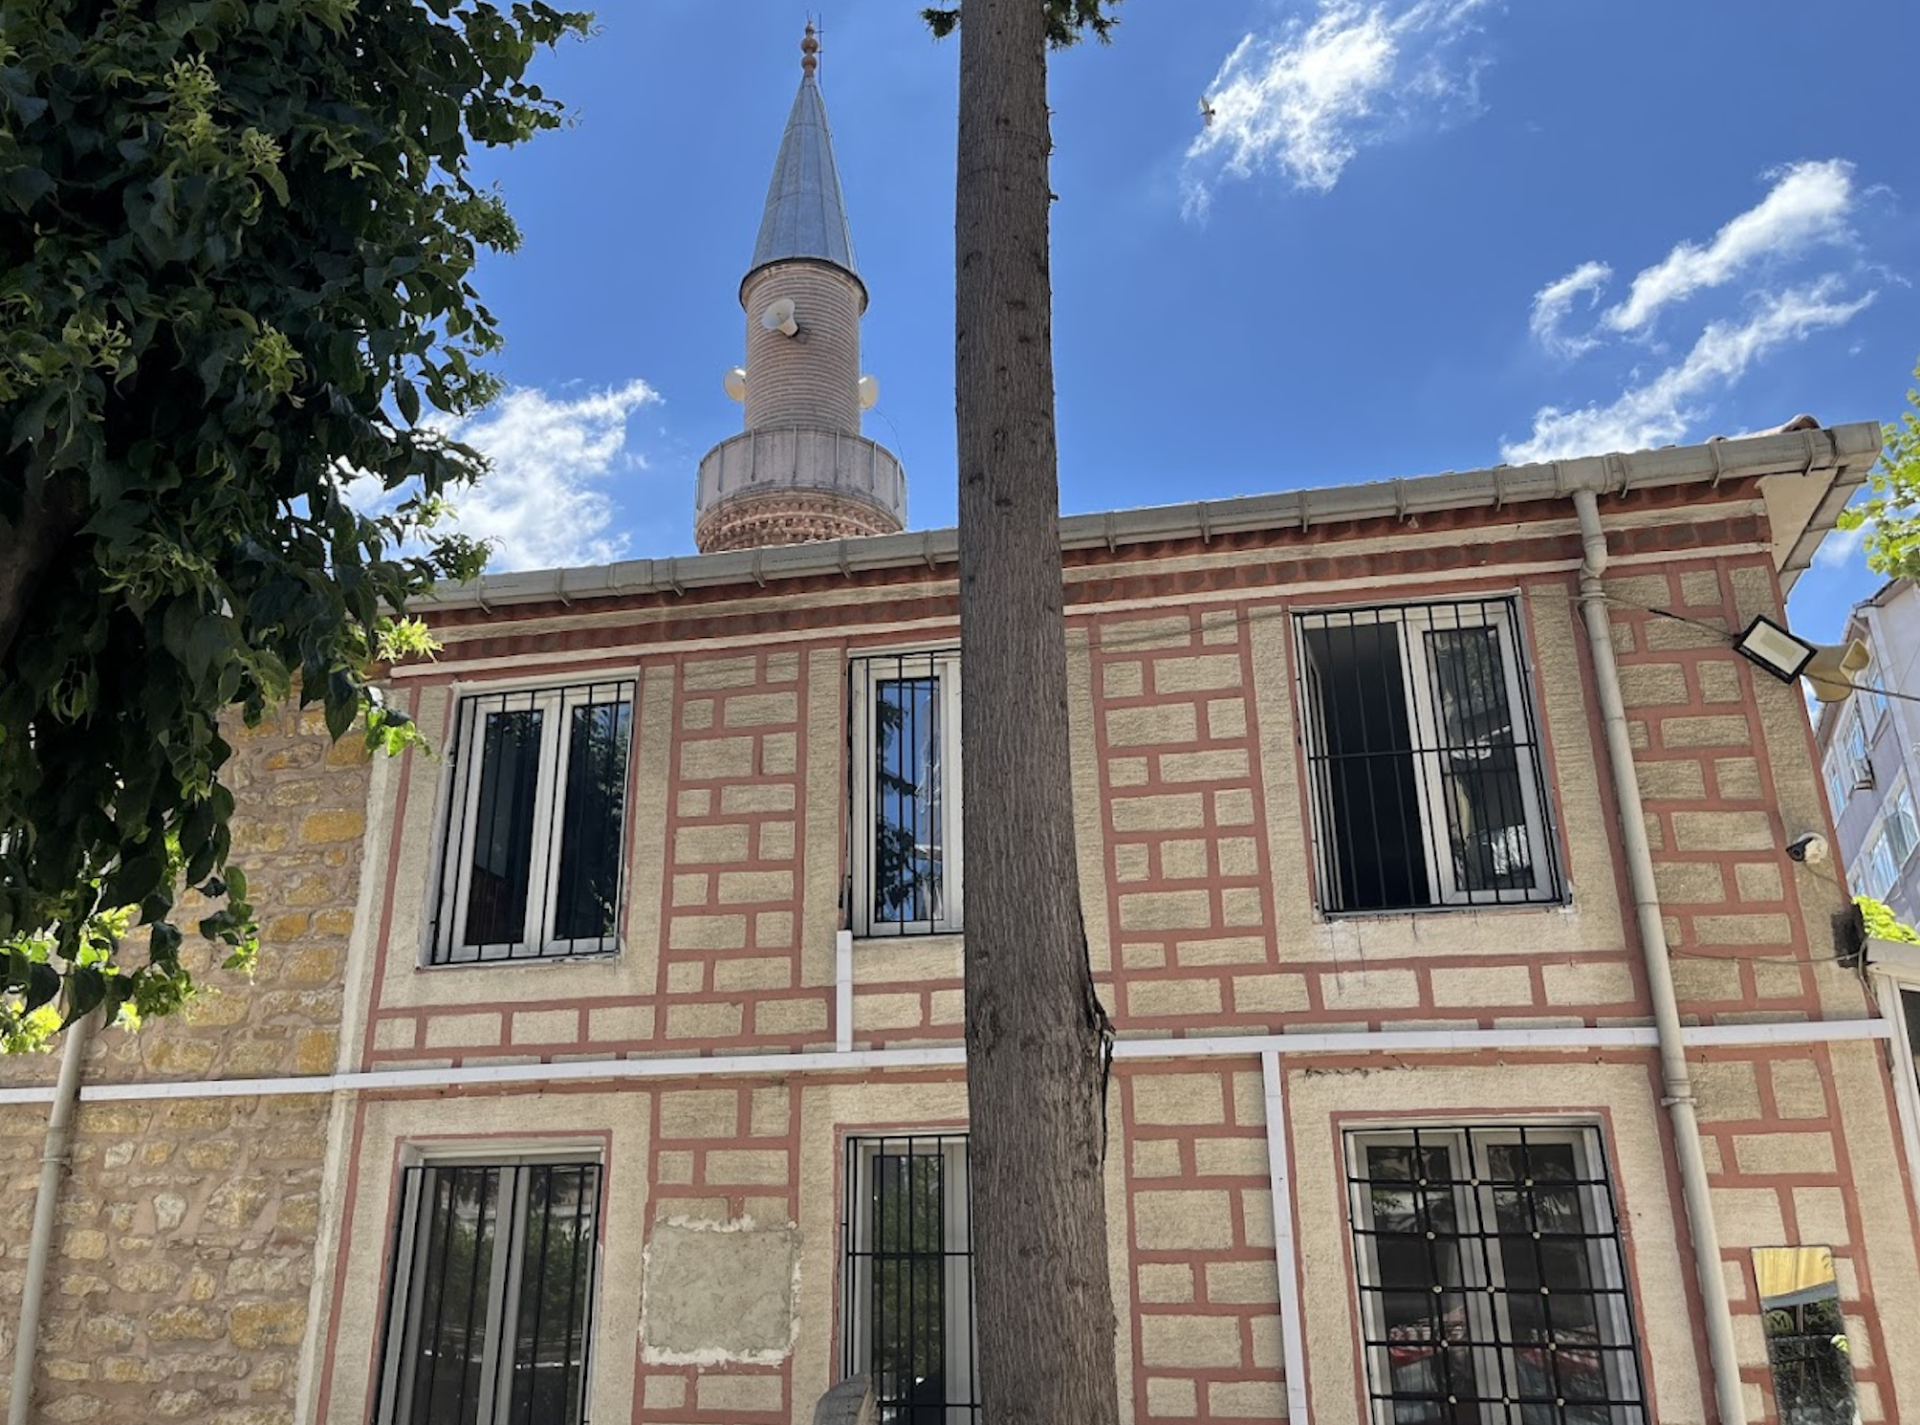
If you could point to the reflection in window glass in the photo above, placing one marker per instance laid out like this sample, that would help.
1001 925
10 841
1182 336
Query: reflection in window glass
1806 1335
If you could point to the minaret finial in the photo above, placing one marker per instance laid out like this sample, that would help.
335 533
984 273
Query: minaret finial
809 52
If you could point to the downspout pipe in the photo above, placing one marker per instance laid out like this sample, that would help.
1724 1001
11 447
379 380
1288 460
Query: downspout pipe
53 1166
1676 1078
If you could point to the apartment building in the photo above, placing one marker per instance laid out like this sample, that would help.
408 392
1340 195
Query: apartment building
1483 1056
1868 757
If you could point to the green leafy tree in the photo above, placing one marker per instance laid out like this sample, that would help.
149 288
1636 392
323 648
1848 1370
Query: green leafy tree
1038 1040
1891 513
236 249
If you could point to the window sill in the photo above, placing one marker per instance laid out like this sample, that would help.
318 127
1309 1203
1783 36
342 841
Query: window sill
526 962
1421 912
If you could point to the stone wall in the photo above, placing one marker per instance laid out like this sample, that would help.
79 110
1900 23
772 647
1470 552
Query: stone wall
184 1246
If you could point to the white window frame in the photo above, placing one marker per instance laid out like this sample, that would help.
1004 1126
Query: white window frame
1488 1312
1877 868
959 1330
1415 621
404 1311
871 669
1894 969
1839 788
454 883
1899 818
1859 748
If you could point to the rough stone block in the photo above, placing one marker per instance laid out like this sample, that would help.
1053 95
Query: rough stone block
1226 719
1723 830
1202 673
693 845
699 1113
1190 1342
709 758
1166 910
1165 1282
1159 723
1182 1220
1150 998
1178 1099
718 1294
704 1021
761 709
1790 1153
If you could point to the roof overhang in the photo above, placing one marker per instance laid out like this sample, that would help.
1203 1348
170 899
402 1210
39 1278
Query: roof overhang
1806 478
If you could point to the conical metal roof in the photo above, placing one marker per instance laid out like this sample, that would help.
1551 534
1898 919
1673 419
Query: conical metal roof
805 216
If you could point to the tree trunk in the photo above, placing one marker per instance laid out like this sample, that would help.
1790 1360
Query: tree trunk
1036 1034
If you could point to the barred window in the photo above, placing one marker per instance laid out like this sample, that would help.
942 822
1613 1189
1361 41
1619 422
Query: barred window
535 825
1425 764
1492 1284
905 780
907 1278
489 1304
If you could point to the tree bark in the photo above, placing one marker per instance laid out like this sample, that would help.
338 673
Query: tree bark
1036 1033
28 552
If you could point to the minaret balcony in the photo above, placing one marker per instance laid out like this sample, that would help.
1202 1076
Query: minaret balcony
767 462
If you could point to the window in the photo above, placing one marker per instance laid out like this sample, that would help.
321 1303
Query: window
1424 762
1878 869
1806 1335
489 1307
534 848
1492 1285
906 1278
905 773
1859 764
1839 784
1903 831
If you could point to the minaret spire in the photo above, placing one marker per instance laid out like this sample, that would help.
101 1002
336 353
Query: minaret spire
801 470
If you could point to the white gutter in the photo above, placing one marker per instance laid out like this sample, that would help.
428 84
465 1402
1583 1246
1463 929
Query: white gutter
1286 1256
1675 1075
53 1165
1843 453
843 990
1393 1041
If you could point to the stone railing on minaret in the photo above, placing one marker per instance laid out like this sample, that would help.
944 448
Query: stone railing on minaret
801 470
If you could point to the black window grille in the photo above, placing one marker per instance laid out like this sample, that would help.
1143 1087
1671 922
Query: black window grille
489 1309
1493 1287
1425 766
1812 1371
905 787
534 858
907 1319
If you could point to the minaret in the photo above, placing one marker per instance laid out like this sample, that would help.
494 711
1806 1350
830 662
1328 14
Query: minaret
801 470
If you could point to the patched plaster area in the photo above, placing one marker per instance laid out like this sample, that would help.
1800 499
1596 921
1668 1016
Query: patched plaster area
719 1293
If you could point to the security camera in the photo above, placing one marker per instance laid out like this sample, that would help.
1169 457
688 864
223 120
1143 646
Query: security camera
1810 847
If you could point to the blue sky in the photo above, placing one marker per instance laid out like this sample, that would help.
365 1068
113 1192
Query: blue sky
1420 235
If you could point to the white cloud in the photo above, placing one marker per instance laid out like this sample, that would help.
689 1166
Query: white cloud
1808 205
1305 99
1661 410
1553 301
1840 547
541 503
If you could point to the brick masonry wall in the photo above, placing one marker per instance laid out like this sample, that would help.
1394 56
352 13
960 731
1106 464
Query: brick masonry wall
1206 1330
183 1249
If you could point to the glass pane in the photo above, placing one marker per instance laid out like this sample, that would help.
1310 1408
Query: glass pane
908 869
1480 786
459 1210
908 1326
556 1276
1416 1299
588 894
503 829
